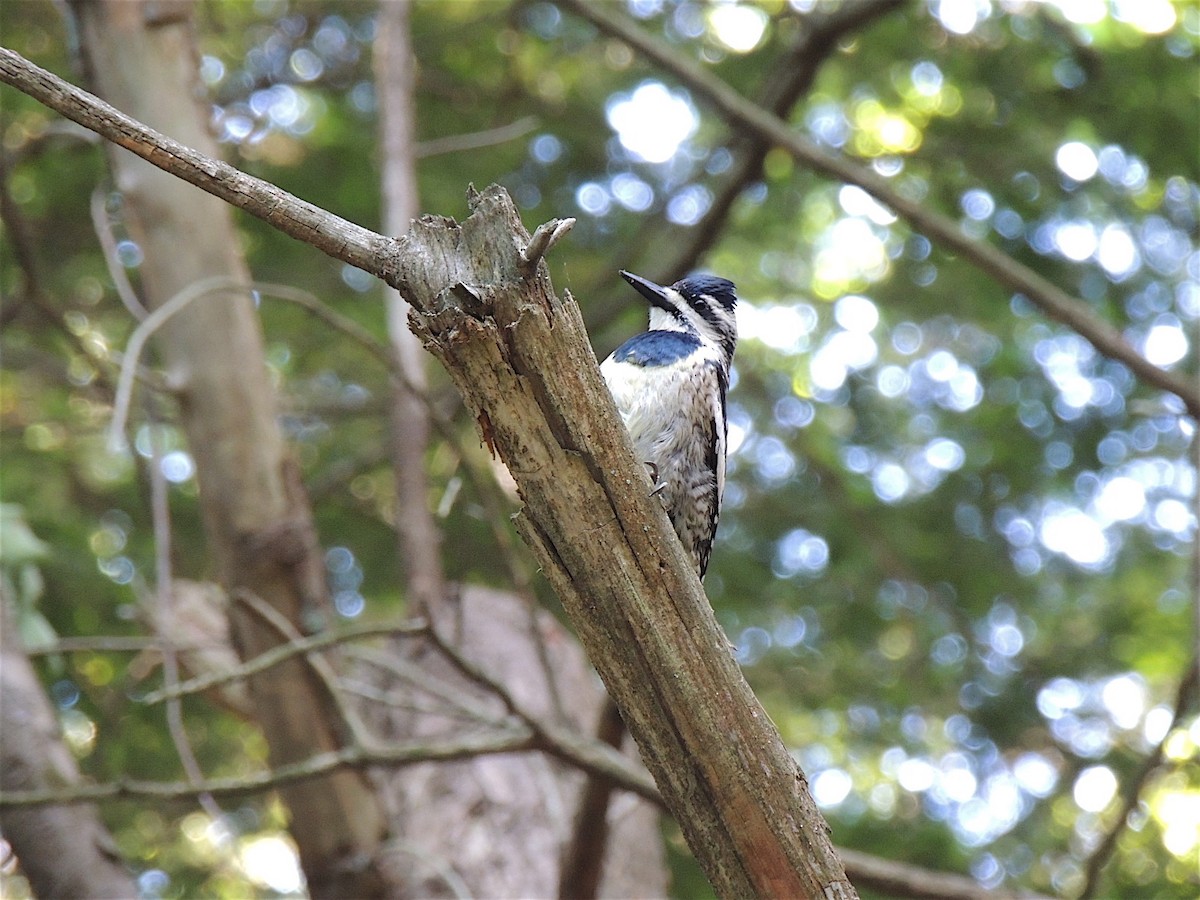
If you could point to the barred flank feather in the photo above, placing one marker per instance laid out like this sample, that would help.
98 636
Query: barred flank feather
670 384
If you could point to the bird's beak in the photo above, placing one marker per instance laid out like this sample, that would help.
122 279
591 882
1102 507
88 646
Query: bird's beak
652 292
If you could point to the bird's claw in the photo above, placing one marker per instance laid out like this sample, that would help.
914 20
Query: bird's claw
659 486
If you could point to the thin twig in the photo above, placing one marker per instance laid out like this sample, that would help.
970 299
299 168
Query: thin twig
407 701
475 140
896 879
476 675
329 316
416 676
359 735
195 291
514 740
160 512
281 652
110 644
596 758
108 246
137 342
544 237
523 732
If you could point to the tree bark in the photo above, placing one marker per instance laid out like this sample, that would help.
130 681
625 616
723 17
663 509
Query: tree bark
65 851
256 515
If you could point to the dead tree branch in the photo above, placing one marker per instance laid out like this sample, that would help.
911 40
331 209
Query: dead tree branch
521 358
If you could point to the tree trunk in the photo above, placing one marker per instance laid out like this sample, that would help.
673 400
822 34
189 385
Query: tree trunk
494 826
497 826
420 539
259 526
64 851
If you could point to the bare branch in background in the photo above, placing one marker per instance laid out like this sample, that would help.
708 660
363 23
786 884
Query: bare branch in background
787 83
108 245
739 112
102 643
518 731
160 511
357 732
893 879
137 343
280 652
1132 790
514 740
476 140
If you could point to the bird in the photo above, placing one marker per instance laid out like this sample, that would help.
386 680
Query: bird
670 384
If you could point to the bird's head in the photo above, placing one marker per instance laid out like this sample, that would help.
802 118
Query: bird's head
700 304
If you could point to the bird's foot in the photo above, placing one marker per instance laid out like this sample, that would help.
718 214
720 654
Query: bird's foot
659 486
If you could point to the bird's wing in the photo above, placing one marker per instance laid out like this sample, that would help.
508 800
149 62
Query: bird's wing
656 348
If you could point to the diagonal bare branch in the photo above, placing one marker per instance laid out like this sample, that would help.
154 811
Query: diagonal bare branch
1051 299
281 652
787 83
463 746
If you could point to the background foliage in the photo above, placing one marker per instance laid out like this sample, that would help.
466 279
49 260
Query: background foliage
958 547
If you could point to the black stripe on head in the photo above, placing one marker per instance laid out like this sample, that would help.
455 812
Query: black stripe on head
714 300
722 290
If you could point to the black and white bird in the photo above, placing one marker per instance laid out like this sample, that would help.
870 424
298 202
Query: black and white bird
670 384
